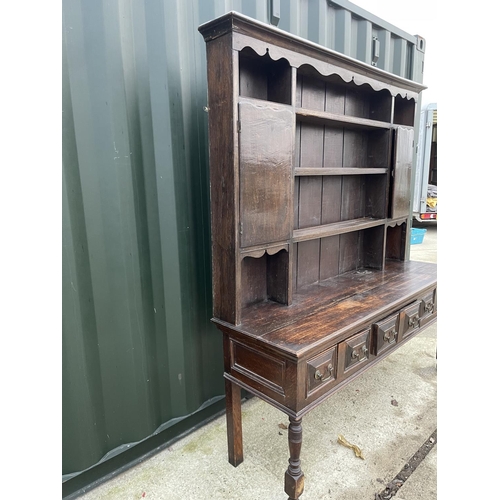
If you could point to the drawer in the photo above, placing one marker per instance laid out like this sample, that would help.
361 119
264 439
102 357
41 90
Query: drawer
322 370
428 308
355 351
257 369
410 318
385 334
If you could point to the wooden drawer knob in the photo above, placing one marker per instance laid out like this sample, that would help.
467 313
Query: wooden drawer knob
356 354
390 334
413 322
322 377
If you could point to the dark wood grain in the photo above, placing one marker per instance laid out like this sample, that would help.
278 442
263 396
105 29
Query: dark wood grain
381 106
332 229
234 428
277 277
294 477
329 257
331 119
310 202
294 268
253 280
265 278
395 242
356 103
308 258
233 411
376 196
279 86
263 78
378 153
266 140
221 124
310 156
264 318
372 250
355 149
296 206
339 171
311 145
385 334
331 200
353 198
401 184
333 147
404 111
341 318
349 254
313 93
253 83
335 98
362 102
298 91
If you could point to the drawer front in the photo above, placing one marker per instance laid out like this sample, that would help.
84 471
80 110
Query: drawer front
385 334
257 369
355 352
322 370
428 308
410 319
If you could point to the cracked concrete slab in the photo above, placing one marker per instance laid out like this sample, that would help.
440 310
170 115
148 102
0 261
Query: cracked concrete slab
422 484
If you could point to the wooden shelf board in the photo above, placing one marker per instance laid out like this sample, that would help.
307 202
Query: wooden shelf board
339 171
312 233
321 117
263 102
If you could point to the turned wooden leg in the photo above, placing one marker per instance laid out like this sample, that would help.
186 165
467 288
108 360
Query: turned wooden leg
294 477
233 418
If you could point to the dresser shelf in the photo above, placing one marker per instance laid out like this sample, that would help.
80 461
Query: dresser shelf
324 118
339 171
335 228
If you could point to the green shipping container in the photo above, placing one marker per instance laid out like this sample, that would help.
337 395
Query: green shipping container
142 364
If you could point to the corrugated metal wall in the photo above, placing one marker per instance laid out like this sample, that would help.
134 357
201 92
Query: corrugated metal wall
139 351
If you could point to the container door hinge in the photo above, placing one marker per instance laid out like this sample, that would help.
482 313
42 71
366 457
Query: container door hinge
241 227
275 12
238 126
375 50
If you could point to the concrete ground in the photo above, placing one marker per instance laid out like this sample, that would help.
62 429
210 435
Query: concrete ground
389 412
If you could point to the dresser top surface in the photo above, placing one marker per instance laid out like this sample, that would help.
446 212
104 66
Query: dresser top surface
331 310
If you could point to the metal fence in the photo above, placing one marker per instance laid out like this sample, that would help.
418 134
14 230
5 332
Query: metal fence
141 361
